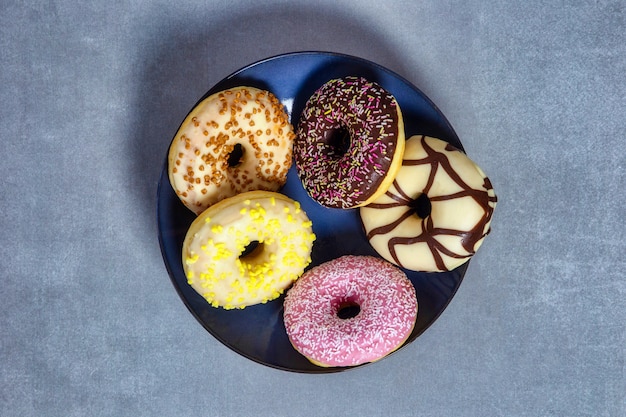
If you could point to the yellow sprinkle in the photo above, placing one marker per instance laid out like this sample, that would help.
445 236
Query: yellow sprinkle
241 267
243 211
273 201
192 259
273 226
217 228
258 214
207 220
222 252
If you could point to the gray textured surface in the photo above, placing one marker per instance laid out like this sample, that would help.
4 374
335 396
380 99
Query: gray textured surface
91 95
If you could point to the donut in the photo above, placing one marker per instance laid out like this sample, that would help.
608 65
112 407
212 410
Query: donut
233 141
437 212
247 249
349 311
349 142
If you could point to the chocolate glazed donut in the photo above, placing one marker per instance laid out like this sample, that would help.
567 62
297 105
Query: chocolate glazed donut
349 142
436 213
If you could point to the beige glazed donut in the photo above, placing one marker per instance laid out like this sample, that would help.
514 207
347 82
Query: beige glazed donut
437 212
233 141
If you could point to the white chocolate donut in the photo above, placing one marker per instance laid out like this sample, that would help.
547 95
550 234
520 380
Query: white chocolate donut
233 141
437 212
215 258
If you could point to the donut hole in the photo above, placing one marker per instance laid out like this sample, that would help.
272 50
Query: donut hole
338 141
421 206
348 310
235 156
251 251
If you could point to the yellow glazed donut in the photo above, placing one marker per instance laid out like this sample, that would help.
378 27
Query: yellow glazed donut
233 141
437 212
247 249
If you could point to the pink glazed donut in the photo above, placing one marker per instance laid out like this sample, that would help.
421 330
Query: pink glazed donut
349 311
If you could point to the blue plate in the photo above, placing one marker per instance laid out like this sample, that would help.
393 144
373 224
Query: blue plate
258 332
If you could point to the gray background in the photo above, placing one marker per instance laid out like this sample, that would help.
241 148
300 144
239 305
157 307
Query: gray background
91 95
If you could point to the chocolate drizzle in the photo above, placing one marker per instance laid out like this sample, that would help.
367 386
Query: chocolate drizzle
469 238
